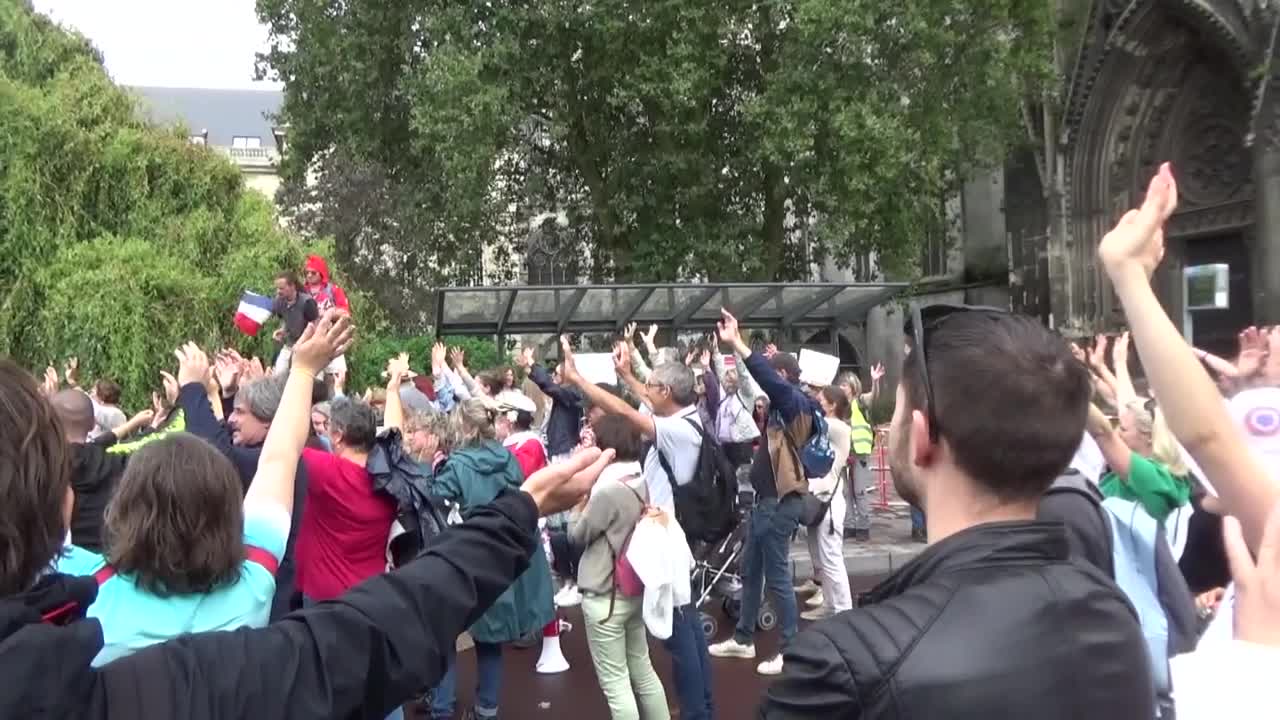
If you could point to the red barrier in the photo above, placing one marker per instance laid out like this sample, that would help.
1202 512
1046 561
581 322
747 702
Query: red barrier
880 466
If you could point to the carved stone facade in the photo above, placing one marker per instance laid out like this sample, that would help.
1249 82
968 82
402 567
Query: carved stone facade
1173 80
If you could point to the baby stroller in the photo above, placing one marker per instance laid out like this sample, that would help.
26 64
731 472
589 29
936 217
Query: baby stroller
716 578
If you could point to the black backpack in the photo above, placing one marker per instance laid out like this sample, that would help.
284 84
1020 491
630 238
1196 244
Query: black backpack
417 511
705 505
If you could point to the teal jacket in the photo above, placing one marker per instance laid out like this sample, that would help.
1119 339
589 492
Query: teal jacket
473 477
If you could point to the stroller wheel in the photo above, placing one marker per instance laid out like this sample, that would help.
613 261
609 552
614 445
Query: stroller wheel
732 608
709 626
768 619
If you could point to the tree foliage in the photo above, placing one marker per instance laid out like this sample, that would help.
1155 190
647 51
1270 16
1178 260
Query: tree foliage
723 139
118 240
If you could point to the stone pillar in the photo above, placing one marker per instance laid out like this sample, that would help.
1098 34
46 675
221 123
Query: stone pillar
1265 249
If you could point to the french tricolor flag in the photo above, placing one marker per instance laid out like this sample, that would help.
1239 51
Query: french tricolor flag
253 312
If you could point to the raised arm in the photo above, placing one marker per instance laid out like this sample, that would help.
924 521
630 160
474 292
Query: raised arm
1191 403
278 463
869 398
783 398
538 374
1125 392
607 401
1117 454
397 371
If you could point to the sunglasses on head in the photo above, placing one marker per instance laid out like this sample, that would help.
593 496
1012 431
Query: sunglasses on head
920 323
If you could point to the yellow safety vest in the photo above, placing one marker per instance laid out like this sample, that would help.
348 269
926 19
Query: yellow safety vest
862 436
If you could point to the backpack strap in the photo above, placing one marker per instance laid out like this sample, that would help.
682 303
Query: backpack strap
105 573
253 554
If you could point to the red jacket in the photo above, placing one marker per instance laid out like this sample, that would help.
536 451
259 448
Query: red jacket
529 451
326 294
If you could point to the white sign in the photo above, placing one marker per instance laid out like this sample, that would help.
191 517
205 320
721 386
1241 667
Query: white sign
597 368
818 368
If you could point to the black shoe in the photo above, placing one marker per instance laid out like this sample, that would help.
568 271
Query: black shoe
919 535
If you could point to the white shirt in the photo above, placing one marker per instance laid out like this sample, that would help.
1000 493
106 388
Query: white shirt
680 443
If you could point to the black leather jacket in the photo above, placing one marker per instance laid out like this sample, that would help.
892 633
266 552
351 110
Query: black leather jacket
992 622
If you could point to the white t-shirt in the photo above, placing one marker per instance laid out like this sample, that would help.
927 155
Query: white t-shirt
680 443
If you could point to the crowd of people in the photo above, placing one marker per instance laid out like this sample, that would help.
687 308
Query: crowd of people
261 544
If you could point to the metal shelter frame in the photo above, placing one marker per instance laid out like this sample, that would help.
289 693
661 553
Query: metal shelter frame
500 311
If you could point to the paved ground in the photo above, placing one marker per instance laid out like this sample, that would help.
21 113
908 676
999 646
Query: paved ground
576 695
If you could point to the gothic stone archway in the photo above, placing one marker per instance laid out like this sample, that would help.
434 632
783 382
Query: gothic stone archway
1163 80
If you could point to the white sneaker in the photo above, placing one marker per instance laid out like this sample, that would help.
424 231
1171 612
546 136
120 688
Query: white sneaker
808 587
816 601
568 597
772 666
731 648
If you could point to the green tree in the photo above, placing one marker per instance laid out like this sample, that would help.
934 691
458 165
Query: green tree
722 139
118 240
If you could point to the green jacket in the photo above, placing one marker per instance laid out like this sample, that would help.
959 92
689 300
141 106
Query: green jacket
473 477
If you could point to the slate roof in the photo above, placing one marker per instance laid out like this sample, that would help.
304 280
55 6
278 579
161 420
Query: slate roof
224 113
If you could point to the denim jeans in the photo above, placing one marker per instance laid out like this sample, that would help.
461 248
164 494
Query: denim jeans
398 713
766 562
917 519
690 664
488 684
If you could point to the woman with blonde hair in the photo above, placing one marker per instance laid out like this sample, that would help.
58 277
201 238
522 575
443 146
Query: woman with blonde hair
1145 460
478 469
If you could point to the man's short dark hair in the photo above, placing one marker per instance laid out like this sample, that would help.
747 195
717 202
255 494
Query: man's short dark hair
290 277
35 471
1010 399
108 391
787 366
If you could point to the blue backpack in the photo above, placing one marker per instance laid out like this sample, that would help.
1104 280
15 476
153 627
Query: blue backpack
817 456
1143 567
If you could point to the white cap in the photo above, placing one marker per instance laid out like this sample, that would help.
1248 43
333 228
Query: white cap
513 400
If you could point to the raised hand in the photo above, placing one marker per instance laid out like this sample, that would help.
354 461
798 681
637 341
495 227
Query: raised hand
1098 353
226 370
877 372
1253 351
727 328
171 387
458 358
560 487
770 350
71 371
324 340
568 368
651 335
621 359
51 382
398 369
193 365
1079 353
1137 240
251 370
1257 604
629 334
439 354
1120 350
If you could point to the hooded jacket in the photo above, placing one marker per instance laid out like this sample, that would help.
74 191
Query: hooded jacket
472 477
326 294
361 655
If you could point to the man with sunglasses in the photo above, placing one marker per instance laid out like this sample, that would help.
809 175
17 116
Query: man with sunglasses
993 619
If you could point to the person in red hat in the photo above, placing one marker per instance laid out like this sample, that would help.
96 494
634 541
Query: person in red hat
328 296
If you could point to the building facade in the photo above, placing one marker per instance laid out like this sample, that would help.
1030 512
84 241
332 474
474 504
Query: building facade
1193 82
236 123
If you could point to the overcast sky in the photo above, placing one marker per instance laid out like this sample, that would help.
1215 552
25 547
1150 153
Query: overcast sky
169 43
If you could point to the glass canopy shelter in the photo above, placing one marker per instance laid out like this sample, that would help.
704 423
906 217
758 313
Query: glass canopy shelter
508 310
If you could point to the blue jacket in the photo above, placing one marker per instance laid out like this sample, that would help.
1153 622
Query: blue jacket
790 424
